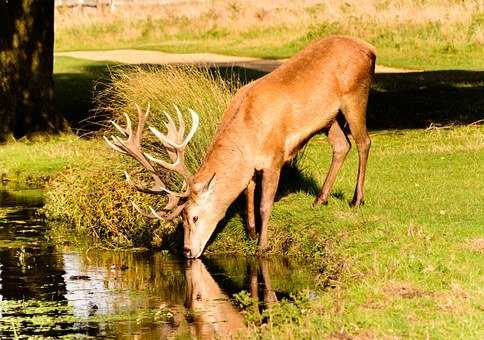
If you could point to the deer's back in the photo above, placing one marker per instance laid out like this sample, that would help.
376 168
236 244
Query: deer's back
277 112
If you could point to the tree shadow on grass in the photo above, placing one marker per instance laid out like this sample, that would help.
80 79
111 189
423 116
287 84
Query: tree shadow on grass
410 100
418 99
74 95
397 100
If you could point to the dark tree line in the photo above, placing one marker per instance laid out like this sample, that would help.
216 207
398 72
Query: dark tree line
26 66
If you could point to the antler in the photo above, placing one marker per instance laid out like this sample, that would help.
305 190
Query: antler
175 143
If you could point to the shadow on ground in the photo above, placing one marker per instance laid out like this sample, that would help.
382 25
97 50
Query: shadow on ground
74 95
412 100
397 100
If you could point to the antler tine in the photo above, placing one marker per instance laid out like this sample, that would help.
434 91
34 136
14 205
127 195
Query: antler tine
175 144
132 147
113 145
195 123
163 138
153 214
127 131
159 215
170 166
156 189
170 125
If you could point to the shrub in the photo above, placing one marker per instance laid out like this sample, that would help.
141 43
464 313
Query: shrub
93 200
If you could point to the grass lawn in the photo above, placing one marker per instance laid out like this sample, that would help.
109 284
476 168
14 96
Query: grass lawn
410 262
36 161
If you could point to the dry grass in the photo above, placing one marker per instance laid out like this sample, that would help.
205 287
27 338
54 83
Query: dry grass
186 87
403 290
477 245
239 15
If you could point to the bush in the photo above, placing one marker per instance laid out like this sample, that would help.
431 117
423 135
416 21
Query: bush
93 200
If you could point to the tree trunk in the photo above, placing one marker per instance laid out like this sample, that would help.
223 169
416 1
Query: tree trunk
26 66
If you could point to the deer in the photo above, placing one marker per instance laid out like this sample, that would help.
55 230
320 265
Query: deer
265 125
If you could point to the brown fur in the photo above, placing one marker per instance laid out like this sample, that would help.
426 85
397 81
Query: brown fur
270 119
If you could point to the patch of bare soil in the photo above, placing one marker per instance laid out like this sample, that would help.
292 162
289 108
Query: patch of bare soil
404 290
364 335
477 245
454 301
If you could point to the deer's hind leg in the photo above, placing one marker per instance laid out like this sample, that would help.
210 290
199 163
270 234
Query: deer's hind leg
354 110
341 146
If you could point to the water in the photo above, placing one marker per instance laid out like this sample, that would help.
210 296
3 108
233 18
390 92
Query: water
47 291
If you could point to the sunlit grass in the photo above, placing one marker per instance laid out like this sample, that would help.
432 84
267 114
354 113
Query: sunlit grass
41 158
407 266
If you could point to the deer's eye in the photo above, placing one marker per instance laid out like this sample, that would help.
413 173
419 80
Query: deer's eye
195 219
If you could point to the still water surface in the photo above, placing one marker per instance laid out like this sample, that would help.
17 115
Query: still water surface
55 292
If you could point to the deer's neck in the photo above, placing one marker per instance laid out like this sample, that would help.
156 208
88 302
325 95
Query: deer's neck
233 168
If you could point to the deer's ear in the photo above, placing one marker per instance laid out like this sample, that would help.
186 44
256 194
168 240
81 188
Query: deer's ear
203 187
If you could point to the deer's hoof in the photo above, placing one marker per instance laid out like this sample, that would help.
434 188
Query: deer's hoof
356 203
320 201
252 233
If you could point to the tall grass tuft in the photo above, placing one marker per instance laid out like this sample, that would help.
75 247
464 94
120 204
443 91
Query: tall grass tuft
94 199
163 87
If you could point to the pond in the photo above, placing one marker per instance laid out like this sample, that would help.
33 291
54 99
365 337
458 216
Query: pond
51 291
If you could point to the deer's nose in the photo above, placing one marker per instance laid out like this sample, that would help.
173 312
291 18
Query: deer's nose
187 252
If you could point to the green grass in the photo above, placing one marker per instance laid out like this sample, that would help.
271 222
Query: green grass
36 161
408 264
413 46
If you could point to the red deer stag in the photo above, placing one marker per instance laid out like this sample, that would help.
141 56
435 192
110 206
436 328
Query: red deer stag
265 125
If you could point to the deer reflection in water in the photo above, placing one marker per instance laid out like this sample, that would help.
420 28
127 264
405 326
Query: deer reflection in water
214 316
213 313
268 295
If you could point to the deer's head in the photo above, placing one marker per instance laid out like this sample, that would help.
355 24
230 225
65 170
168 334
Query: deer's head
195 202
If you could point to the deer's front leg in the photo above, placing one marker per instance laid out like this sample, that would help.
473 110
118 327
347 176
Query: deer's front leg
270 179
250 197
